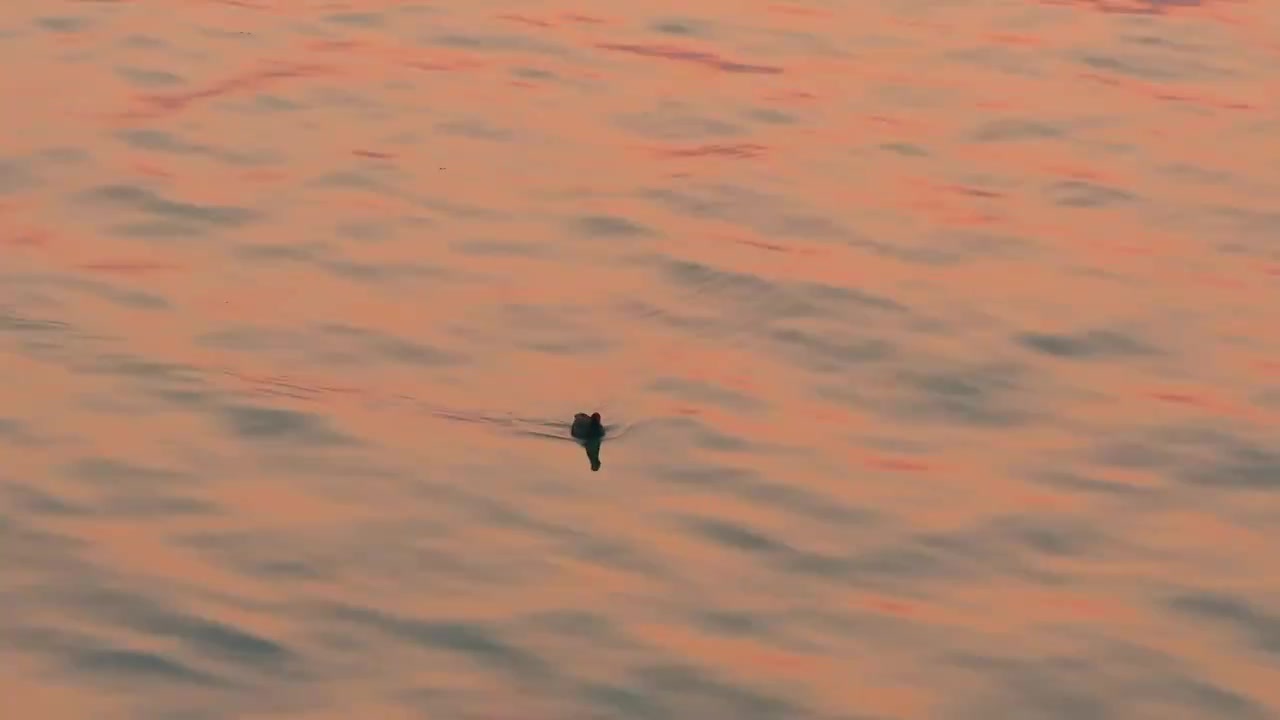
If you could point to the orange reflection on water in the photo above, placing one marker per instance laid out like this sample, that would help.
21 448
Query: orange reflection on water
935 344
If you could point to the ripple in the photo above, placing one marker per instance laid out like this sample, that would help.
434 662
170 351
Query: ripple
609 226
150 202
1260 627
467 639
137 664
679 54
266 424
1085 345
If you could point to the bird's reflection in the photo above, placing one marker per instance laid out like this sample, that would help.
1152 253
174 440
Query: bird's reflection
593 453
589 432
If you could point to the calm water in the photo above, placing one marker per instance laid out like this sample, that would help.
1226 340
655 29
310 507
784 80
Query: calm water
938 339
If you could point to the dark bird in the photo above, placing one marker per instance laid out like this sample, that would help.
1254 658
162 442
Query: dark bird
588 430
586 426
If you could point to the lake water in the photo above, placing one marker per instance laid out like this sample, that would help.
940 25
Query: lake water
938 342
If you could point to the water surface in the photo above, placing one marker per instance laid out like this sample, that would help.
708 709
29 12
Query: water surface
942 335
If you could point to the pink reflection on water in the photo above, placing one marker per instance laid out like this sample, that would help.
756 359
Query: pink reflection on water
364 228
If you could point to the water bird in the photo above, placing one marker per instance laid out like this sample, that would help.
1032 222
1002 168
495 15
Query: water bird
585 430
588 430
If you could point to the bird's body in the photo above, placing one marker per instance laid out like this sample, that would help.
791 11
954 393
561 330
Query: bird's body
587 427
